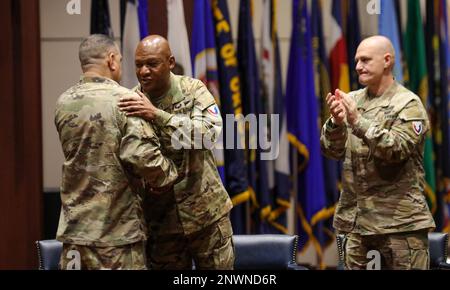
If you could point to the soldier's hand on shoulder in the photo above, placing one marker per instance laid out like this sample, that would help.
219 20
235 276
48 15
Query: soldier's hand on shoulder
138 105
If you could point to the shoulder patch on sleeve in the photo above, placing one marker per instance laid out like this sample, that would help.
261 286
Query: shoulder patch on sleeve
214 110
418 127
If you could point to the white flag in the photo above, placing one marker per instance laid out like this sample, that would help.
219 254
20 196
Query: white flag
131 38
177 35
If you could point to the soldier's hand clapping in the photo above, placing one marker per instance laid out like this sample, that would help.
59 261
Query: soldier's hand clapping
337 109
350 107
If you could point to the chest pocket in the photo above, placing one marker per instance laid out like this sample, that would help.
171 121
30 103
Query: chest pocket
386 117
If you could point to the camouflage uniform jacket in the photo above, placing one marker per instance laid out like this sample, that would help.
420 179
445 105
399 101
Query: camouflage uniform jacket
200 198
383 176
106 154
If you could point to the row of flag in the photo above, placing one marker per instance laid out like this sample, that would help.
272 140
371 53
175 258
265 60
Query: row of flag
324 40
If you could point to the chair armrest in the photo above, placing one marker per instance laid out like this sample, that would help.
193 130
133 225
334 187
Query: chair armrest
438 248
49 253
341 239
444 266
296 267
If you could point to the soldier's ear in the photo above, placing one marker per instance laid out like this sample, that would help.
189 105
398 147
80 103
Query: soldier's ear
388 59
111 61
171 62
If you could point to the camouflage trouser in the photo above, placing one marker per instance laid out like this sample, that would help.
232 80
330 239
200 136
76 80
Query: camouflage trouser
127 257
399 251
210 249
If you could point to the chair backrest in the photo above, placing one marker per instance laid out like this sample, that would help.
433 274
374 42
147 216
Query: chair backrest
252 252
265 251
49 253
438 243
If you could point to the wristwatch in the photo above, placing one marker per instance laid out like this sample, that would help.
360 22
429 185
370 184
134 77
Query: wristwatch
331 125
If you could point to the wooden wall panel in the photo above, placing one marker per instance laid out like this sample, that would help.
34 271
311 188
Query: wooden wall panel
7 151
157 16
21 144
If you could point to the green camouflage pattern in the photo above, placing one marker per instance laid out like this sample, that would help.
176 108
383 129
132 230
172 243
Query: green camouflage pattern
402 251
200 198
211 249
127 257
108 160
383 176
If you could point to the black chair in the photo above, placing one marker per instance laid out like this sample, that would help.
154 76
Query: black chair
340 242
49 252
269 252
251 252
438 246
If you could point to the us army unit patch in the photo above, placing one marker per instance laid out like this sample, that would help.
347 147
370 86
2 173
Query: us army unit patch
418 127
214 110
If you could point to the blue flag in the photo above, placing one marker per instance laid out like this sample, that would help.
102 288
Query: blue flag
353 40
444 112
303 128
323 87
141 7
204 60
143 17
252 101
388 26
100 19
271 78
230 96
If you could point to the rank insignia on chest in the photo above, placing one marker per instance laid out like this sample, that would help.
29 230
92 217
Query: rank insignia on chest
418 128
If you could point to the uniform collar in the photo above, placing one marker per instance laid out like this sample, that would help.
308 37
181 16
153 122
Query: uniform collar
173 96
99 80
382 101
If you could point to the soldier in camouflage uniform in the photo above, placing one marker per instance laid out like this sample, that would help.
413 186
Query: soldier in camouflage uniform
106 156
191 222
379 132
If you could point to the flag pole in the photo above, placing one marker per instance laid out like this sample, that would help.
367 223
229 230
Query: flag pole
248 229
294 197
294 193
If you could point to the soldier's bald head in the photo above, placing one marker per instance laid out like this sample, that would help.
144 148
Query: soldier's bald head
155 44
380 45
154 61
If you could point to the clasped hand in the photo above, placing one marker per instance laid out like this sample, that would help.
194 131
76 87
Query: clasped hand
342 107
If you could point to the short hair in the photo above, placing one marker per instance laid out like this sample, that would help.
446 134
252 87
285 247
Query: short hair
95 47
178 69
